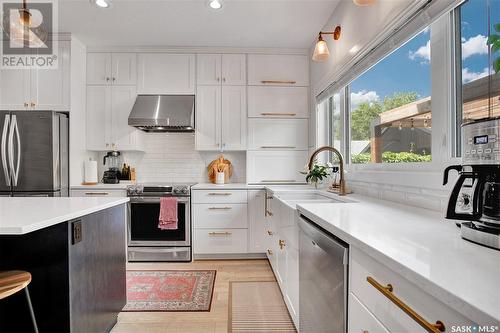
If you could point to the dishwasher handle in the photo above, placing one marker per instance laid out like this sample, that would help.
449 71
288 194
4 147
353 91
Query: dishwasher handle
323 239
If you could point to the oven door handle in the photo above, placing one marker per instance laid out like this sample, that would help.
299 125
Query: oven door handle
155 199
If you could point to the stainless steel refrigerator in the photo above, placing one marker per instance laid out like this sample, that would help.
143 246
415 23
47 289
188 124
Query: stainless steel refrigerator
34 154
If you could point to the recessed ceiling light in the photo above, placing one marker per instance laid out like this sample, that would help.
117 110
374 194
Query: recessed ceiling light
101 3
215 4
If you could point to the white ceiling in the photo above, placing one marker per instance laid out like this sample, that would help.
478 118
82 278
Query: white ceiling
241 23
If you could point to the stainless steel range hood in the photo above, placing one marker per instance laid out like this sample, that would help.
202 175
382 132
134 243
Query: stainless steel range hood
163 113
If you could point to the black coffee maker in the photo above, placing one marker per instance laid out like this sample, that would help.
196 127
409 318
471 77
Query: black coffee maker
475 198
112 162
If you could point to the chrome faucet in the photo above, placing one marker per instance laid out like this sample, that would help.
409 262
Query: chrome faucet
342 190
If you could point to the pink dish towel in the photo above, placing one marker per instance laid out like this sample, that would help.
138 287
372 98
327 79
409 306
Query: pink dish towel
168 214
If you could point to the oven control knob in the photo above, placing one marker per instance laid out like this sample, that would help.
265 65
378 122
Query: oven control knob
185 190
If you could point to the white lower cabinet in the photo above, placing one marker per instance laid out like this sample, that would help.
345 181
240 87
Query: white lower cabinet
220 241
361 320
208 216
276 166
97 193
364 268
257 225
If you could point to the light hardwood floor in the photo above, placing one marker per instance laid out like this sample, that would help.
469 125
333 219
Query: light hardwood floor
214 321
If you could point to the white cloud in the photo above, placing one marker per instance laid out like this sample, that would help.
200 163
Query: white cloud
363 96
423 52
474 45
468 76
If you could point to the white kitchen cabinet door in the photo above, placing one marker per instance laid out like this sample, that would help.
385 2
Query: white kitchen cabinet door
124 68
234 69
50 88
361 319
279 70
289 134
124 136
165 73
257 224
213 241
208 69
14 89
98 68
278 102
234 118
208 118
98 118
210 216
276 166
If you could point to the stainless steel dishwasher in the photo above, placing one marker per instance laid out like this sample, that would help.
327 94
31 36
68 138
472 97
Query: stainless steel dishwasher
323 268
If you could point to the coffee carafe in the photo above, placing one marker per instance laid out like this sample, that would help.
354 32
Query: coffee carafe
111 162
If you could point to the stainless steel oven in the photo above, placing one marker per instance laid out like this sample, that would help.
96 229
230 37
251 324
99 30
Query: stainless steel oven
147 242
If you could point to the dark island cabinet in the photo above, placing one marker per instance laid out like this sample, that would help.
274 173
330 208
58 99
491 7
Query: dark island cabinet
78 271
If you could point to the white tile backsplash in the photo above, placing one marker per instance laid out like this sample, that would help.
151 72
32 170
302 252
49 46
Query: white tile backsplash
171 157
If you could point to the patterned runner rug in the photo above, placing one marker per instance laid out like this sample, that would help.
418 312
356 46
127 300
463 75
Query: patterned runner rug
258 306
189 290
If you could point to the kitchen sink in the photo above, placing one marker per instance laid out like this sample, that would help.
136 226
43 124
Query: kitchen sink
306 196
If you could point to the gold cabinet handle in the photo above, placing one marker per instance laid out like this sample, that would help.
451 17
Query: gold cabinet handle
32 104
278 147
96 193
278 181
26 105
290 114
278 81
269 213
217 193
281 244
269 232
270 252
220 233
219 208
387 291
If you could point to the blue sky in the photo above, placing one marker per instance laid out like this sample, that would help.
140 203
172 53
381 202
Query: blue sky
408 68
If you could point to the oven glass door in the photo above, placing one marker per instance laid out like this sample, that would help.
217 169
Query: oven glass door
143 224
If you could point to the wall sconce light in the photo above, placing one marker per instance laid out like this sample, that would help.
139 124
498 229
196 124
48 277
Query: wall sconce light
321 52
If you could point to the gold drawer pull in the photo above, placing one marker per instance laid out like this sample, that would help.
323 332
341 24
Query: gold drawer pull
269 232
269 213
96 193
278 147
278 181
219 208
278 81
270 252
291 114
387 291
220 233
281 243
216 193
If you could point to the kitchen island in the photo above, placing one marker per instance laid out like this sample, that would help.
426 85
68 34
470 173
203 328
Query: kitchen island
75 250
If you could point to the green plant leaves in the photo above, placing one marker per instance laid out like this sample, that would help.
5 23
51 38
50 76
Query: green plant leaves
492 39
496 65
497 27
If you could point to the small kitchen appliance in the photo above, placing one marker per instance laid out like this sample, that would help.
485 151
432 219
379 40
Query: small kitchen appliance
112 162
146 241
475 198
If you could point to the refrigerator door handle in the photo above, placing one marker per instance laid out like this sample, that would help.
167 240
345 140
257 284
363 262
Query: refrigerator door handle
14 170
3 148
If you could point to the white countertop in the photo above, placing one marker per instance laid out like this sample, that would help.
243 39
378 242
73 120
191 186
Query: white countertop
229 186
423 247
20 216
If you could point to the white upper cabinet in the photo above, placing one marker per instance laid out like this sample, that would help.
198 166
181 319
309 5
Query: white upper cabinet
98 68
278 102
276 166
208 118
281 134
36 89
107 119
165 73
280 70
111 68
208 68
225 69
234 118
14 89
234 69
50 88
124 68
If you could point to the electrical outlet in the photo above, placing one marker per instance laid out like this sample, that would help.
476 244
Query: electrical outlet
77 232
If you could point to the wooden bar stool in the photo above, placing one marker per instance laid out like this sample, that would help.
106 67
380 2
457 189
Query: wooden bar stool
13 281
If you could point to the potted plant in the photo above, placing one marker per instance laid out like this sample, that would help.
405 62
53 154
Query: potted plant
316 174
